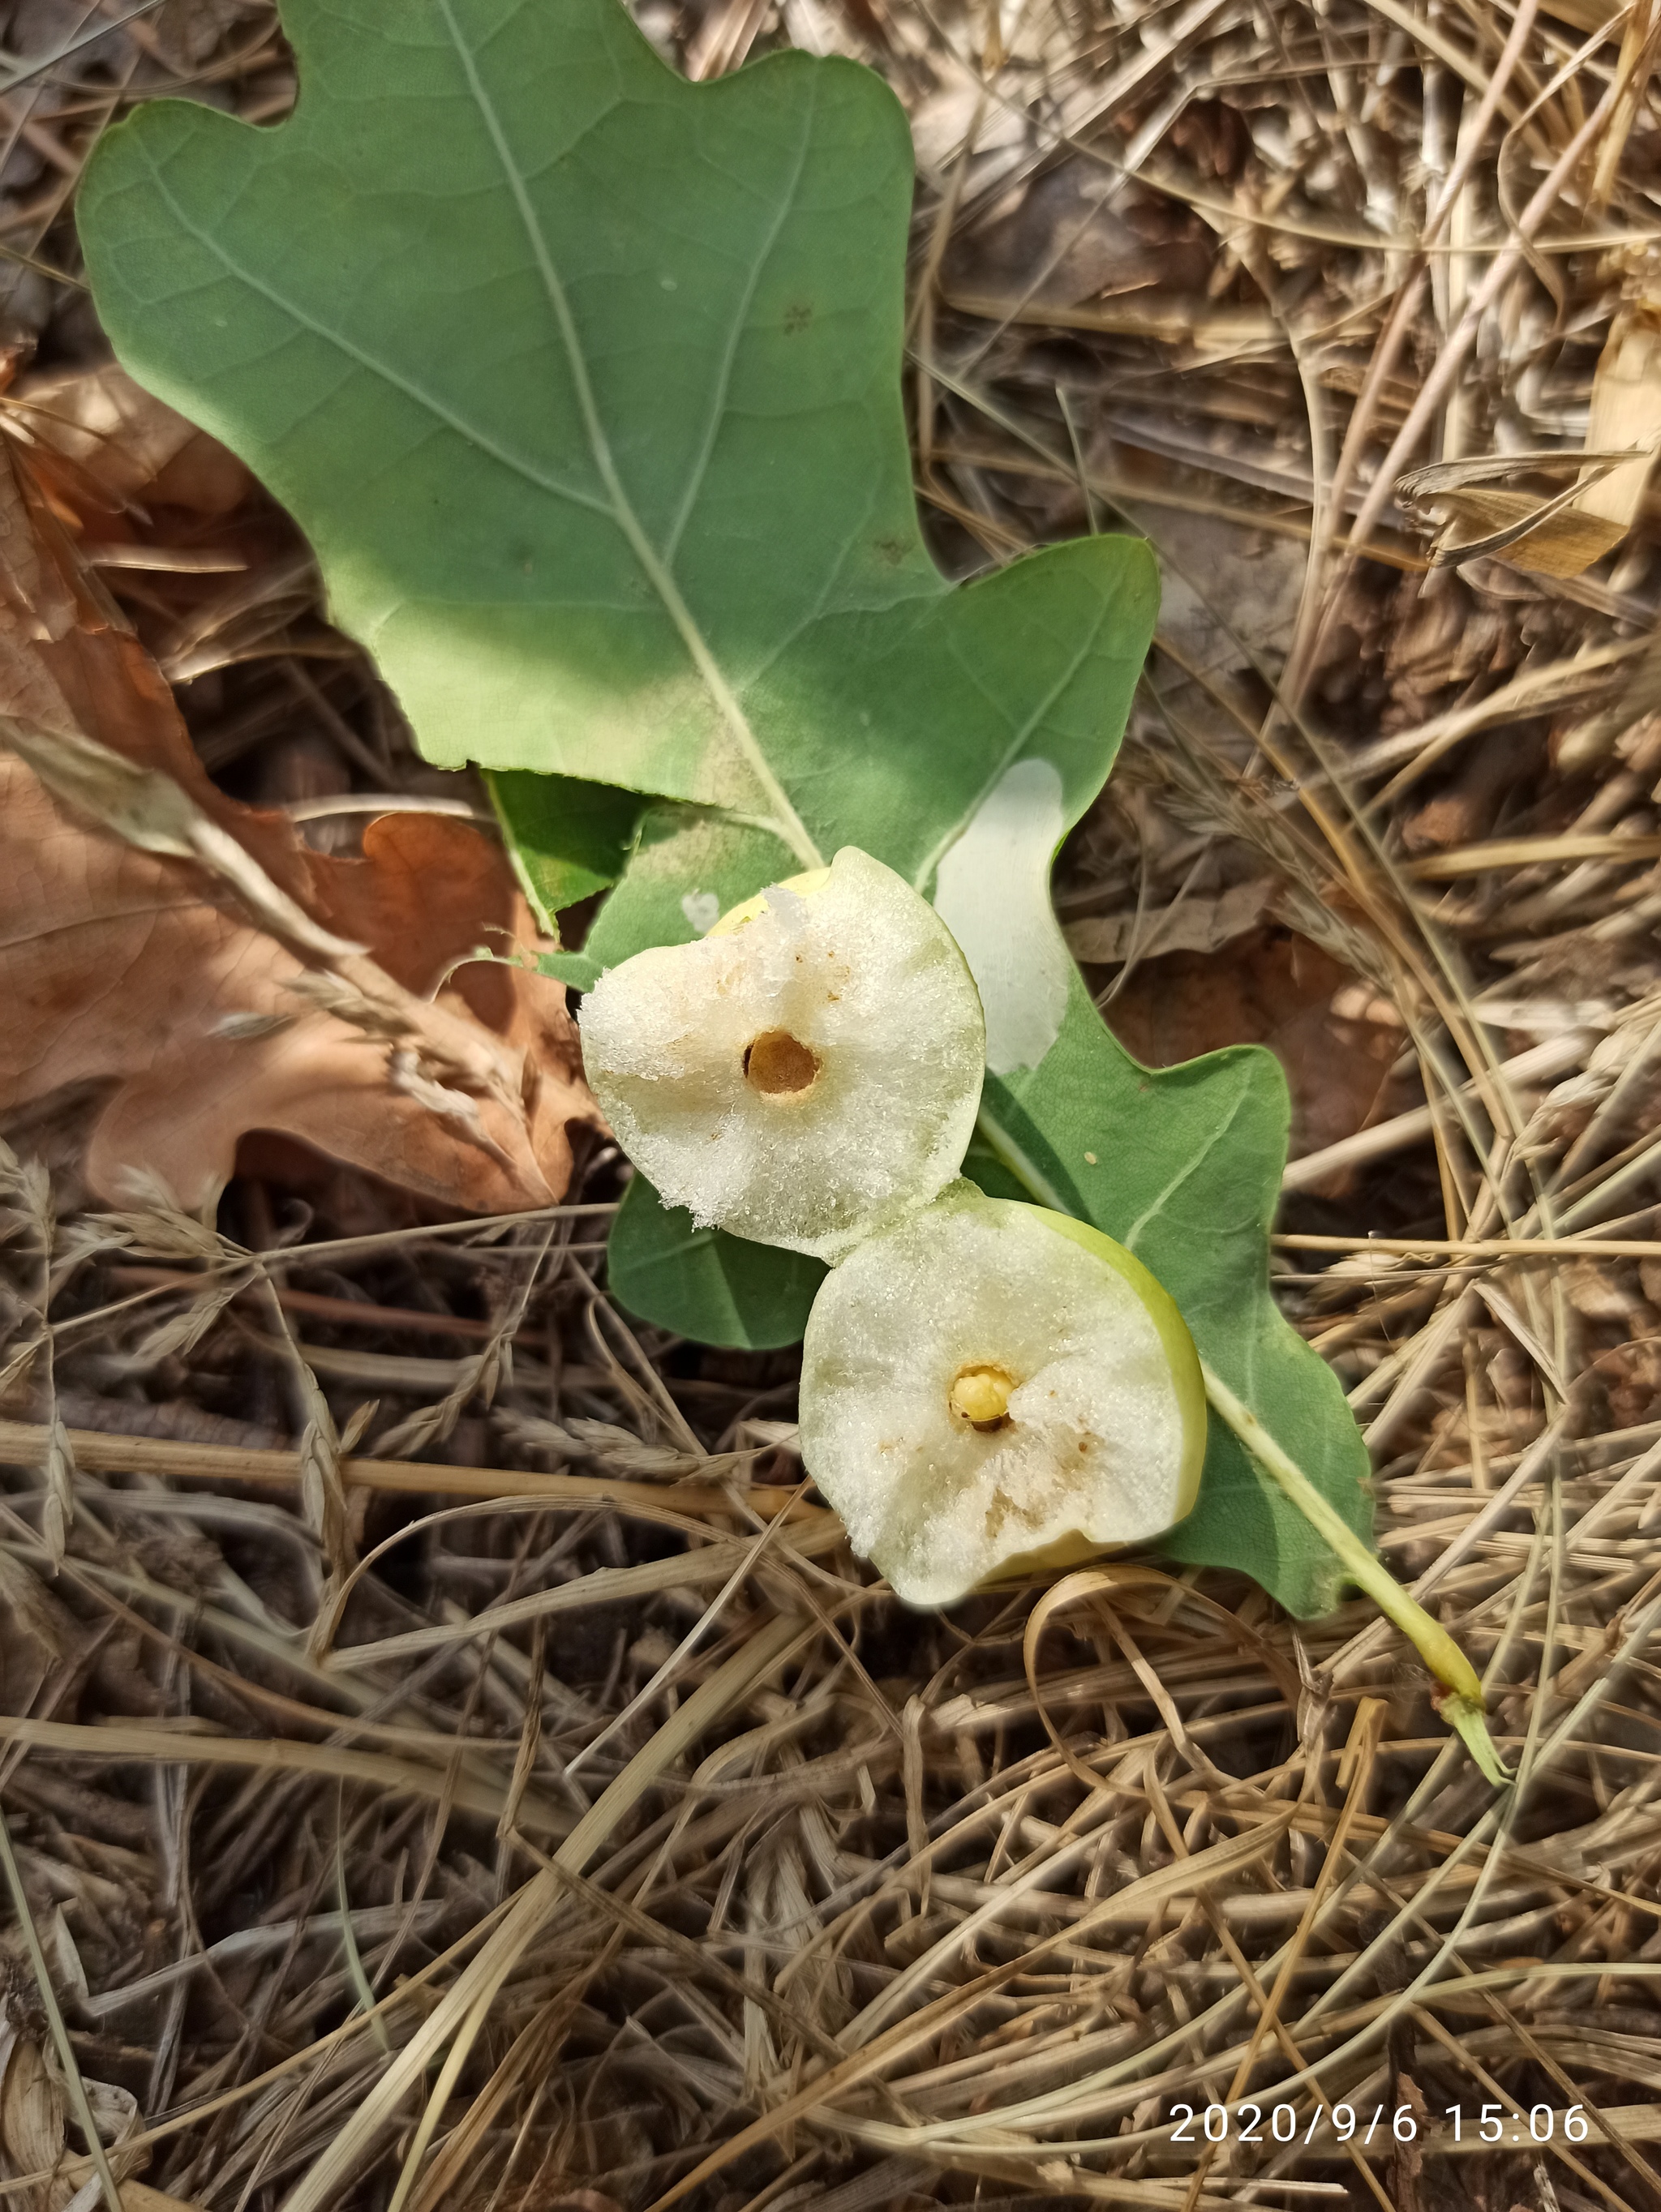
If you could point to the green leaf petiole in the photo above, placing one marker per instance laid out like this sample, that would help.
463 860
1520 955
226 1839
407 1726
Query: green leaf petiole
1461 1701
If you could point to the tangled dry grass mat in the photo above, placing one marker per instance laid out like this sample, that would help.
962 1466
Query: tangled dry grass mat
558 1818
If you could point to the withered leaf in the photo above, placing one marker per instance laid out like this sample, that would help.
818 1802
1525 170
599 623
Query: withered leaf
31 2121
146 976
1563 535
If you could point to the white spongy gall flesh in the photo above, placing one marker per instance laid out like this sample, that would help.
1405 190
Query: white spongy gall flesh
1101 1435
804 1078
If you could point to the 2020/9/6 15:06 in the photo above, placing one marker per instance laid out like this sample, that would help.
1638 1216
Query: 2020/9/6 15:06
1490 2123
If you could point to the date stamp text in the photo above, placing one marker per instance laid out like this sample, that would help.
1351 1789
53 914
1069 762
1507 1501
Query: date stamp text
1458 2127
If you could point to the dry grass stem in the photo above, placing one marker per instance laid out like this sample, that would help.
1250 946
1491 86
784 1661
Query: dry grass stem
450 1761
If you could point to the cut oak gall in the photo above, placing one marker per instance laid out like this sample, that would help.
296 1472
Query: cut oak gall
804 1075
991 1389
779 1065
980 1396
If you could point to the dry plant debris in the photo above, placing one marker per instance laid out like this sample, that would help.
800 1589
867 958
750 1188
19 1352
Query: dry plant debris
704 1863
190 958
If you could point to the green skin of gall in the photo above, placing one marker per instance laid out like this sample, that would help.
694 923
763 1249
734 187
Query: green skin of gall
1187 1380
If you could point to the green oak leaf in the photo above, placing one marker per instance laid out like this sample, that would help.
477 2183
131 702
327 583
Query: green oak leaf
570 837
585 384
701 1282
1183 1166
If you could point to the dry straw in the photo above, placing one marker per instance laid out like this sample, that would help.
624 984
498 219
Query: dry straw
545 1810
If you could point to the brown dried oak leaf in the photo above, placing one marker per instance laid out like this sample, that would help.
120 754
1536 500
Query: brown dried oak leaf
205 974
